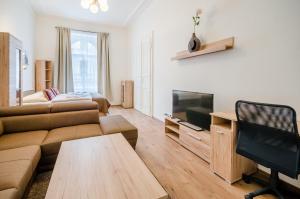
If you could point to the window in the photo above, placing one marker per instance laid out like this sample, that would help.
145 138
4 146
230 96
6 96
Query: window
84 61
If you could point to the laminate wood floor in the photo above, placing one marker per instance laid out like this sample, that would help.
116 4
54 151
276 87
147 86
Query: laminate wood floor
182 174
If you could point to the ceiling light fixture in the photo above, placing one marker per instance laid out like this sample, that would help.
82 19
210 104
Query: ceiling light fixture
94 5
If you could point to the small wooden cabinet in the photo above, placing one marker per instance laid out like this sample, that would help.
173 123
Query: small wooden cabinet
221 153
127 94
43 75
225 162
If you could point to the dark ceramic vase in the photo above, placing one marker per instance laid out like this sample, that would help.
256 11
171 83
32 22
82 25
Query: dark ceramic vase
194 44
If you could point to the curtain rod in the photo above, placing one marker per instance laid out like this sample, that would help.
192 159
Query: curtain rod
79 30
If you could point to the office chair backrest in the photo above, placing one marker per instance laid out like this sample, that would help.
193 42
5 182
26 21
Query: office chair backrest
268 134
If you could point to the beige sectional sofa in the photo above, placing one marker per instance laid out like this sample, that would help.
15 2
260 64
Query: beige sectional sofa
32 135
17 167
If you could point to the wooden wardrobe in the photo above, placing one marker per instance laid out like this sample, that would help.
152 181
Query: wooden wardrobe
11 62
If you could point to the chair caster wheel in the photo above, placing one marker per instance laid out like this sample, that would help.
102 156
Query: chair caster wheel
247 179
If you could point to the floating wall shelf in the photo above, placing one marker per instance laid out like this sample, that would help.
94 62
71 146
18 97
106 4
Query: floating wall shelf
217 46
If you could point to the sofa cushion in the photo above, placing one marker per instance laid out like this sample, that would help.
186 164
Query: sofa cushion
52 142
16 140
31 153
16 169
12 193
15 174
116 124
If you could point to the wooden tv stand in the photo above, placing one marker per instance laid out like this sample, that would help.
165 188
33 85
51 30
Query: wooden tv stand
196 141
216 147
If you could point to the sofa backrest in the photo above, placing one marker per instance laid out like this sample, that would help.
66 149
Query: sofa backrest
14 122
73 106
25 110
23 123
64 119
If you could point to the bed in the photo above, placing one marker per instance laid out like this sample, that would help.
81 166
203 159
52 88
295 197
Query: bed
31 97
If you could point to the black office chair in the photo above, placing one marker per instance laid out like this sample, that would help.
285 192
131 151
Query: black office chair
268 135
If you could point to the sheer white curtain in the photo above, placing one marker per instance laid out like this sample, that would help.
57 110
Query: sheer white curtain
63 76
84 61
104 80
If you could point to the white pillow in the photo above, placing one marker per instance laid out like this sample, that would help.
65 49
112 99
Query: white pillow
36 97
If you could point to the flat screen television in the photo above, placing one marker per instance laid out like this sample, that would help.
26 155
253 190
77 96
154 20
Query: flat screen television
193 108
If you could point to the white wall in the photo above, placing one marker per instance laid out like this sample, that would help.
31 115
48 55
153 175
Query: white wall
18 18
264 65
46 46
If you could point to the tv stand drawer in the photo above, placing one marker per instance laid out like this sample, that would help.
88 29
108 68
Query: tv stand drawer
196 145
203 136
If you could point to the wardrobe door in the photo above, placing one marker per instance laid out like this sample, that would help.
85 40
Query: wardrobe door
10 70
4 69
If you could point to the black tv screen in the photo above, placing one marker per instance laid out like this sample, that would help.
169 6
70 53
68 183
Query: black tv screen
194 108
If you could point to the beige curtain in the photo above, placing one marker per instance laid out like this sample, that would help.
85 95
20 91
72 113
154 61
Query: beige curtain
63 75
104 82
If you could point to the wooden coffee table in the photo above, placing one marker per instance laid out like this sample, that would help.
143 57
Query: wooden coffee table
104 167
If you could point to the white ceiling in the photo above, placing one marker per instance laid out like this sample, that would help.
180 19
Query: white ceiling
119 13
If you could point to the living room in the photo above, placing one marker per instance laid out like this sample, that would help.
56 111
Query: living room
142 68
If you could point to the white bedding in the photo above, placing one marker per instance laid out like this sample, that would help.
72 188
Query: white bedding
81 96
70 97
34 103
37 99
